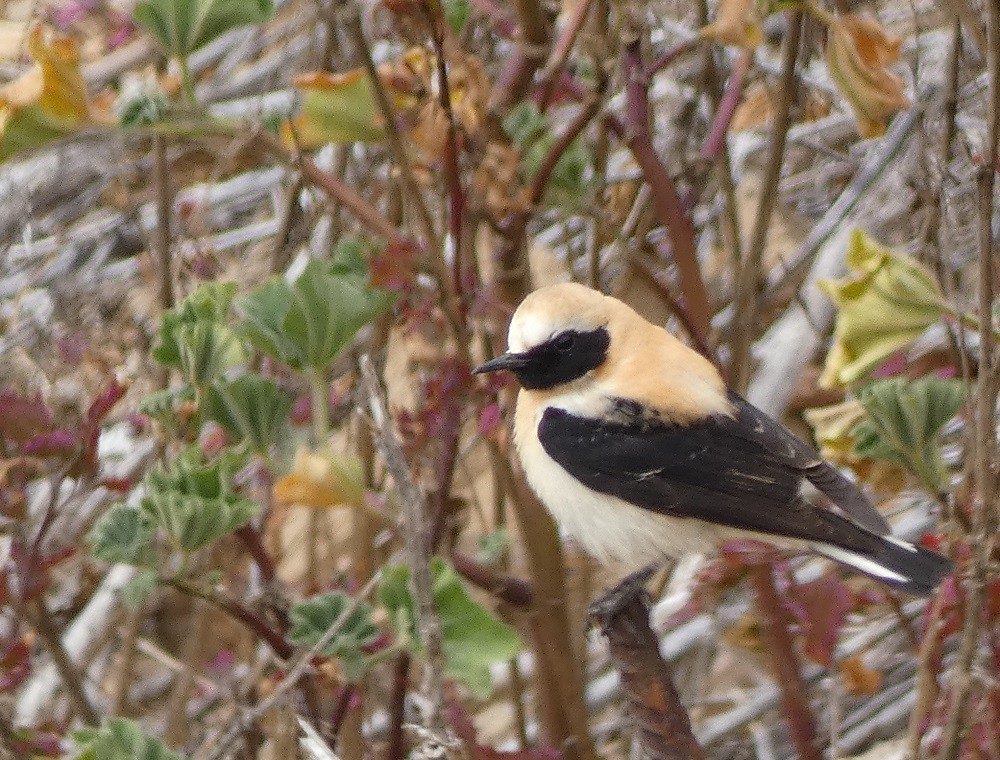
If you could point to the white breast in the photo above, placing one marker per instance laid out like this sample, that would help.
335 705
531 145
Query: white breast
605 526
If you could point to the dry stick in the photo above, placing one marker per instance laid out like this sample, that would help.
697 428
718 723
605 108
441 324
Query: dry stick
290 212
532 49
248 617
561 50
219 744
42 620
416 532
987 517
785 664
929 652
388 114
747 286
126 660
164 204
366 213
176 732
658 281
637 134
561 686
663 724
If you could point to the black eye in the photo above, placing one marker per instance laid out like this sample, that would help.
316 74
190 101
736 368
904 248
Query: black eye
566 341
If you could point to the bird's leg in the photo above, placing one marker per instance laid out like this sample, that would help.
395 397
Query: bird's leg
611 602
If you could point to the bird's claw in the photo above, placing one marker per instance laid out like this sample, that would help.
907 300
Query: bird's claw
610 603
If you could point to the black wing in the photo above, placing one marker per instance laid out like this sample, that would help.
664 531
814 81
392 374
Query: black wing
743 471
758 428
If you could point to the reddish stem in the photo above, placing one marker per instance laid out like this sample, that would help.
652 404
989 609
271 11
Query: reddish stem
637 134
400 683
561 51
727 107
784 662
508 588
559 147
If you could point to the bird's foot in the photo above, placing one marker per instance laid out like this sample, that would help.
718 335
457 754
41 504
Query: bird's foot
612 602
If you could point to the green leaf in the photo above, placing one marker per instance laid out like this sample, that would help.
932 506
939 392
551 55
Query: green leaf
904 419
888 303
308 323
210 302
473 639
251 408
312 618
193 522
183 26
193 502
139 587
456 13
162 405
119 739
207 349
123 534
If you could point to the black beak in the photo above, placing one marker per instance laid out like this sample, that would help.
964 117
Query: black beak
504 361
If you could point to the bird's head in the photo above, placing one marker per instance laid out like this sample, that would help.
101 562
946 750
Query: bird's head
558 335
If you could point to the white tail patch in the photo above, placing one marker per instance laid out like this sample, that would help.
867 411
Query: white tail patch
900 543
865 565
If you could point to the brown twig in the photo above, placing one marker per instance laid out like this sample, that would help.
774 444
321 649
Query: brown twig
400 683
662 722
72 679
561 700
507 588
656 279
388 114
176 732
712 147
532 50
749 280
560 52
239 612
416 530
541 179
126 660
785 663
218 745
164 209
637 134
366 213
987 516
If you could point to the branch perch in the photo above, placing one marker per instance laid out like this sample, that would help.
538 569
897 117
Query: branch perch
661 721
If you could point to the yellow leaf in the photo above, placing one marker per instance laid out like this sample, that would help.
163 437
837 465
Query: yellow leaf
322 481
336 108
736 23
48 101
857 53
886 305
832 426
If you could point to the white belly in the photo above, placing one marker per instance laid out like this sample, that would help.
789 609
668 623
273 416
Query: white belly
607 527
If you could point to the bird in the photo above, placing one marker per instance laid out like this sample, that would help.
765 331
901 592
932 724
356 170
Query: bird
635 445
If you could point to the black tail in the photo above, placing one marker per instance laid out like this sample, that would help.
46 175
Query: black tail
895 563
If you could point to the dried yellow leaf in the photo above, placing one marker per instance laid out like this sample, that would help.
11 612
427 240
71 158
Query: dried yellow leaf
857 53
738 23
322 481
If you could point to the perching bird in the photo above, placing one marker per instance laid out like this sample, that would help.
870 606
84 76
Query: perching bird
633 442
